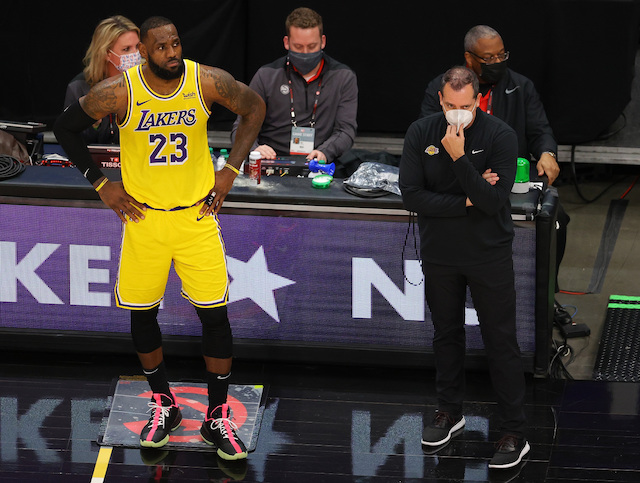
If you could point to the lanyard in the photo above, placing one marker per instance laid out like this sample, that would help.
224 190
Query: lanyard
315 103
487 102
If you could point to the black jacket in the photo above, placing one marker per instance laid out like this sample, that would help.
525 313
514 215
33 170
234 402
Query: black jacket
436 188
107 131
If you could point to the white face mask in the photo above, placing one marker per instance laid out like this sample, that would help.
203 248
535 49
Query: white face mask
127 60
459 117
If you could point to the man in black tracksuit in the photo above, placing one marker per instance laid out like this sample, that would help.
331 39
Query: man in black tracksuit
515 101
513 98
466 235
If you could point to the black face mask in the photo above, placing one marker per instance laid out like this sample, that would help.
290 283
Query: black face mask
492 73
305 63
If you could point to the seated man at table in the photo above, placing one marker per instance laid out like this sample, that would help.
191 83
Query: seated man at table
312 99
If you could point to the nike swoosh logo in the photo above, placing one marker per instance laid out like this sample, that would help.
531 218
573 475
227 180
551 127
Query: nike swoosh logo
138 103
511 91
476 151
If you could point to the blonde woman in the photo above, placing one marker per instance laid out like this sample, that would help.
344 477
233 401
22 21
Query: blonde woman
113 49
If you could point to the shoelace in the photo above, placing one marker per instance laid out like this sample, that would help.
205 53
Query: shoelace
219 424
440 416
506 441
164 412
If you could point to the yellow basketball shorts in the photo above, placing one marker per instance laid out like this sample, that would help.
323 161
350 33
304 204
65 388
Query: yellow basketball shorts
149 247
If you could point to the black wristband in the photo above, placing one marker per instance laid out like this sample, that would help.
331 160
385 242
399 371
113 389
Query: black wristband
68 130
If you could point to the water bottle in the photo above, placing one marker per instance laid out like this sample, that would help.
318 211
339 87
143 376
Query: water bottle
255 166
521 184
220 161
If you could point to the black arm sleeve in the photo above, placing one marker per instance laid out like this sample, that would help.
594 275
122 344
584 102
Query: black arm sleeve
68 130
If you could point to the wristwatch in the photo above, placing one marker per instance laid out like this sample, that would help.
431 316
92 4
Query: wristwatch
551 153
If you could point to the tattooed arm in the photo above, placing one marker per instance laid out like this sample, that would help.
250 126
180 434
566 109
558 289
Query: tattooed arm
108 97
220 87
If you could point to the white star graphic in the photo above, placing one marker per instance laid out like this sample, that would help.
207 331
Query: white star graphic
252 280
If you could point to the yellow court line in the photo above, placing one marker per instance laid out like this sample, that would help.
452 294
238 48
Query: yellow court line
100 470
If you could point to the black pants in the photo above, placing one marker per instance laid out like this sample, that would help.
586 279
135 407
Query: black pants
493 293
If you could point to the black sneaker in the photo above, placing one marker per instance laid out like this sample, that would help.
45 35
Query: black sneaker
441 428
510 451
165 417
220 431
560 314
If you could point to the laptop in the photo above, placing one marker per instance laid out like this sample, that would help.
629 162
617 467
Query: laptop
23 127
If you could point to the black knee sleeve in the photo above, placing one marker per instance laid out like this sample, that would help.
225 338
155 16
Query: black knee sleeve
145 330
216 332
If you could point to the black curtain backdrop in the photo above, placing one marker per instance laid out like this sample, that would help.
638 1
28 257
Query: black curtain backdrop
579 53
45 46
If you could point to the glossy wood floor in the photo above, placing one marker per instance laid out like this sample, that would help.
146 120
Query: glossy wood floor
321 424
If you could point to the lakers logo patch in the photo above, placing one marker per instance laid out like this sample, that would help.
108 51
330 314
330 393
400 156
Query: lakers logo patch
431 150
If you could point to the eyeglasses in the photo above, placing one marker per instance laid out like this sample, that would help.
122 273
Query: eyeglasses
493 59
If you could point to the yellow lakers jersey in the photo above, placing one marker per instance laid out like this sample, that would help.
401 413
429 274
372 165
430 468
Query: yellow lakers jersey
164 151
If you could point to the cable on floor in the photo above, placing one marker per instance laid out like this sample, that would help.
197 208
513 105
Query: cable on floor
10 167
630 187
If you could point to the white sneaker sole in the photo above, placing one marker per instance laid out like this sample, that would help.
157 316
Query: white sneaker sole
459 425
524 451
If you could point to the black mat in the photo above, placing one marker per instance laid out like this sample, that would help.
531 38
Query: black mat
612 226
128 412
619 353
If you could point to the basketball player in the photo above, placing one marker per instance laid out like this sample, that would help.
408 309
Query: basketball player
162 109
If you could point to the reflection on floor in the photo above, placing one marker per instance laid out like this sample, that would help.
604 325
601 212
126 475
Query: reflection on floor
321 424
